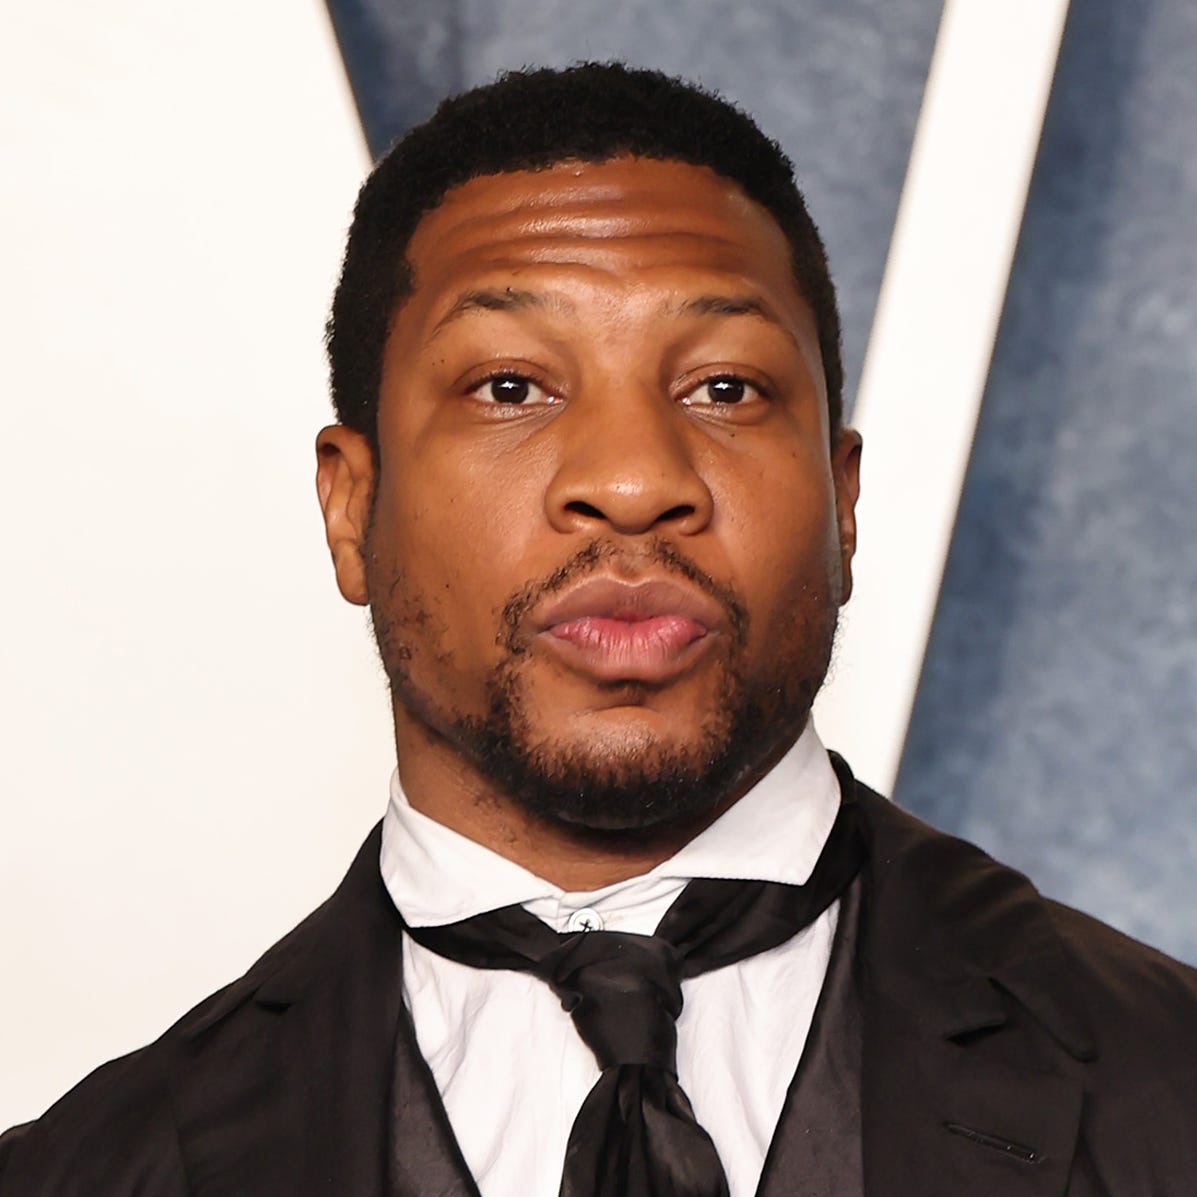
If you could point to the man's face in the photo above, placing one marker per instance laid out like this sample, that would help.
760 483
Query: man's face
609 529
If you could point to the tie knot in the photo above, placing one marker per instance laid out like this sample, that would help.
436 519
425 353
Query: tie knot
623 992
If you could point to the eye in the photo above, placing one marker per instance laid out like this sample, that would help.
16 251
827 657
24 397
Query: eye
511 389
723 389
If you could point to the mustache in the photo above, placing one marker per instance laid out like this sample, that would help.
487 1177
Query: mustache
597 553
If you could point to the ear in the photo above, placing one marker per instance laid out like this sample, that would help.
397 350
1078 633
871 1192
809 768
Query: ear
845 469
344 485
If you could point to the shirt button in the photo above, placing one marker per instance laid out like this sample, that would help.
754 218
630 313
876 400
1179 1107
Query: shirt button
585 920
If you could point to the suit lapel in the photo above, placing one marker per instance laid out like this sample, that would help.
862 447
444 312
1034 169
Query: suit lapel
426 1160
816 1148
336 1032
299 1071
974 1041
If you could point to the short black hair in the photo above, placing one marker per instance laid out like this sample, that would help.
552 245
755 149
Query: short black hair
534 119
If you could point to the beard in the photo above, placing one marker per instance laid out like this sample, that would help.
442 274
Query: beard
640 786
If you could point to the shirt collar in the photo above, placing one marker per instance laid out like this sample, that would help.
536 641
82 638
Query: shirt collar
774 833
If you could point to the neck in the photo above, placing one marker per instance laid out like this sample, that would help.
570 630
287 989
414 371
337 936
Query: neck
441 784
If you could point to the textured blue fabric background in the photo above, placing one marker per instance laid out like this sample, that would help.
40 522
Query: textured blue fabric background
1056 721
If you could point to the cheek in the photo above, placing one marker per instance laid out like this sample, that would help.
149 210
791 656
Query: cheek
456 529
782 539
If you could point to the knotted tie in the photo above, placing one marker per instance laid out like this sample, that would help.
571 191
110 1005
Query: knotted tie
636 1134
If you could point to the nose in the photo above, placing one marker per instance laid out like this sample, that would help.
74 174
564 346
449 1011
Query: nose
625 461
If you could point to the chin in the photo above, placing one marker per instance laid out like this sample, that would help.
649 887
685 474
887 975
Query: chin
614 772
655 790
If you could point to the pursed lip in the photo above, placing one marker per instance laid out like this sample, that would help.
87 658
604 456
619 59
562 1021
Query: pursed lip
647 630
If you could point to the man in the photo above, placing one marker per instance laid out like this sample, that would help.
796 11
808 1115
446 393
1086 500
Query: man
626 927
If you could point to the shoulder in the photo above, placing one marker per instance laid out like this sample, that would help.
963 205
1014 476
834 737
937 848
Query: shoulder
110 1133
115 1131
1140 1005
1120 976
1055 988
1143 1005
956 880
1124 975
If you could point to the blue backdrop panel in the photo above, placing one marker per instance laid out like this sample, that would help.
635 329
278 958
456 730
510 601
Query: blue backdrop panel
1056 722
402 58
837 82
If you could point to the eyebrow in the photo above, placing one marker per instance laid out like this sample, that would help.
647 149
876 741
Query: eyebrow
501 299
734 305
727 305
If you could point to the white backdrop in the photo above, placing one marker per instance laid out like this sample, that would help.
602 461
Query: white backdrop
195 734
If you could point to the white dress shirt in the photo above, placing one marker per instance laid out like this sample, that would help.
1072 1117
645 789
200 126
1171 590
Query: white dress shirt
510 1067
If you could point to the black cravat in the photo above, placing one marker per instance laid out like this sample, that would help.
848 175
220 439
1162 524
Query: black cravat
636 1135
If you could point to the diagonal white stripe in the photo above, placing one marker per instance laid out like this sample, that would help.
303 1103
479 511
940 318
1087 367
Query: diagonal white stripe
928 356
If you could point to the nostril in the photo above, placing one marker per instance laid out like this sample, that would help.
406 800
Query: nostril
586 509
677 513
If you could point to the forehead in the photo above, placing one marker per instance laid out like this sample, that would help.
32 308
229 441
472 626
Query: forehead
621 227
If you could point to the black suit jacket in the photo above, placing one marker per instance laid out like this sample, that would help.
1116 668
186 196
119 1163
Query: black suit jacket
1012 1047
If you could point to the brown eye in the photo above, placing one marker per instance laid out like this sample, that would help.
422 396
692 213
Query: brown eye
724 390
510 389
